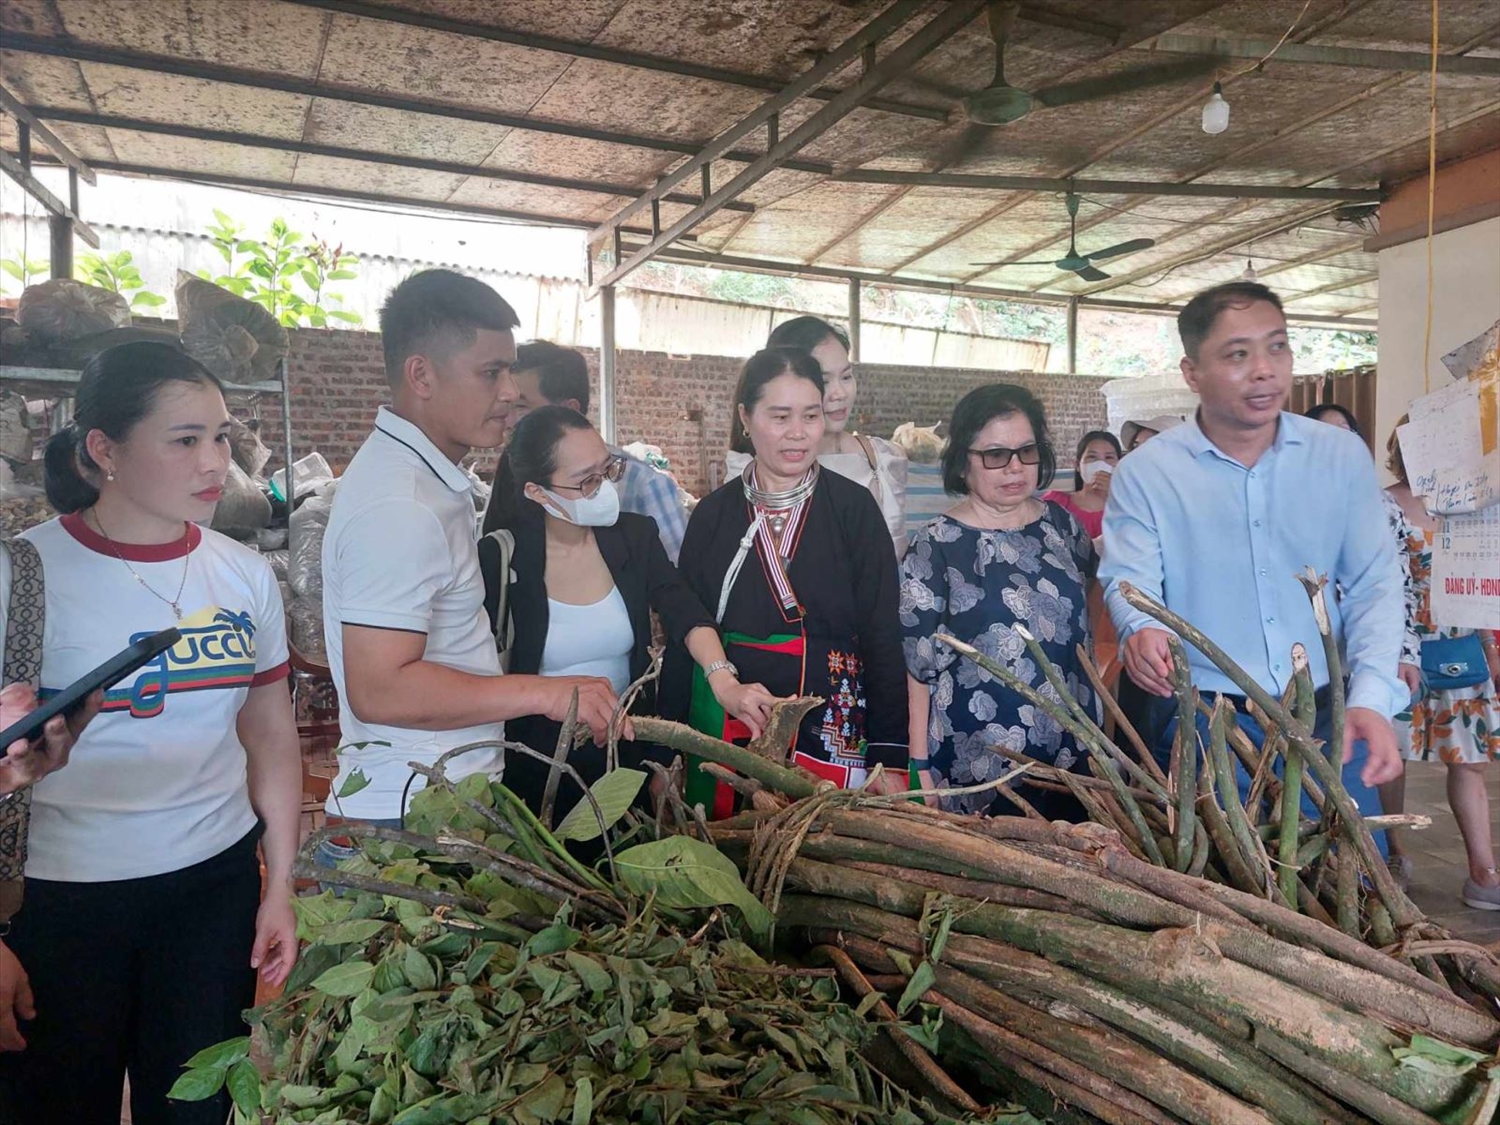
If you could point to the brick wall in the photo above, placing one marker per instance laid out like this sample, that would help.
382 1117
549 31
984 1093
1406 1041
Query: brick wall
679 403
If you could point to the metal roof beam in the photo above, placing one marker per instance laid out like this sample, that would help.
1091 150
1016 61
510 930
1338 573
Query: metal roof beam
1024 297
276 187
887 23
50 203
1316 54
659 64
281 144
1107 187
936 31
25 43
13 106
1361 279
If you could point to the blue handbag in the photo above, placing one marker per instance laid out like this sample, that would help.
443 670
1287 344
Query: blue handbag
1454 662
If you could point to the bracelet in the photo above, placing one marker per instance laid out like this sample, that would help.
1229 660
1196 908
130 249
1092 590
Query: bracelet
721 666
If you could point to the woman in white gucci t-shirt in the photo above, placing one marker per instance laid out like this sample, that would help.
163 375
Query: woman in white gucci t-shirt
143 923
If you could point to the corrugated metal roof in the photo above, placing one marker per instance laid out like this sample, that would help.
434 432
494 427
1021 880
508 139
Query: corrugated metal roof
617 92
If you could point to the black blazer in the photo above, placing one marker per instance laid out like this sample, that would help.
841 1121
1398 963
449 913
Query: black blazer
647 581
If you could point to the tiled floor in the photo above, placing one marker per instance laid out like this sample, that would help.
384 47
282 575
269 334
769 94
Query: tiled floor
1438 854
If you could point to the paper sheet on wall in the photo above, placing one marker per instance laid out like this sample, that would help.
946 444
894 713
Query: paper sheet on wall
1466 571
1442 438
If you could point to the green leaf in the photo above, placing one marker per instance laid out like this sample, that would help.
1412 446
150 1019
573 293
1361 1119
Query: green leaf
353 783
682 871
13 269
148 300
221 1055
546 1101
346 317
347 979
311 280
197 1085
593 975
867 1004
244 1088
921 980
351 932
419 972
583 1100
1437 1058
554 939
342 275
615 792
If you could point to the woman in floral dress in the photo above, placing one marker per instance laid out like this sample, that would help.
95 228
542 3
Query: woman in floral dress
1459 727
1001 558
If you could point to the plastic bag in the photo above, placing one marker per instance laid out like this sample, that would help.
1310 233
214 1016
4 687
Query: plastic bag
305 566
243 508
63 309
236 339
311 473
306 616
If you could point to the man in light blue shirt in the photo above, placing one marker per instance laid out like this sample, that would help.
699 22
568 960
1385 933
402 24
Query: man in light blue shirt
550 374
1216 517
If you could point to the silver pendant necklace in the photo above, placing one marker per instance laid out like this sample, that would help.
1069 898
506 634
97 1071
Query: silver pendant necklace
174 602
778 506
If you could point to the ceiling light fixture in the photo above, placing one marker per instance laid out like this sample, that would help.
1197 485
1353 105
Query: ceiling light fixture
1249 274
1216 112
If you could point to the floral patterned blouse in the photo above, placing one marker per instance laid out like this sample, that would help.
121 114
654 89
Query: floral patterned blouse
978 585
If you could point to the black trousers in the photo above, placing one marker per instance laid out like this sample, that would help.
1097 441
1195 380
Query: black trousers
137 976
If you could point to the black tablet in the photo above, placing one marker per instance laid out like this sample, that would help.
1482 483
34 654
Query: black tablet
102 678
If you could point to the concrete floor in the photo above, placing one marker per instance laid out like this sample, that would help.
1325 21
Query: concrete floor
1437 854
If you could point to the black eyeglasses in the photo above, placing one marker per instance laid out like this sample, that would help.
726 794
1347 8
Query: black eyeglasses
999 457
588 488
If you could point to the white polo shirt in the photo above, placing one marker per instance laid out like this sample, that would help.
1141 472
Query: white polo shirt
400 554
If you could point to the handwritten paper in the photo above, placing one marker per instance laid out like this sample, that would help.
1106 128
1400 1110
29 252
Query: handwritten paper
1442 438
1466 571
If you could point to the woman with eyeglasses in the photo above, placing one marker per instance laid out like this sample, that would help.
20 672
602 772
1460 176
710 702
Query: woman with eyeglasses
795 563
1000 561
586 580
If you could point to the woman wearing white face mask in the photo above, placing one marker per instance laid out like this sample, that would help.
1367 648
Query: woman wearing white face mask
586 578
1094 464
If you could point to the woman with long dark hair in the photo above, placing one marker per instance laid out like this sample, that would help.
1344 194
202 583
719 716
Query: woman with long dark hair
587 578
143 921
792 562
872 462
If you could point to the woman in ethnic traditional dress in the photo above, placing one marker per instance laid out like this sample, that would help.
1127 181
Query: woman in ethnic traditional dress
794 564
873 462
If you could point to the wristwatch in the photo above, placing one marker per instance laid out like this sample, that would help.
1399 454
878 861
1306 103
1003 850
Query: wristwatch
721 666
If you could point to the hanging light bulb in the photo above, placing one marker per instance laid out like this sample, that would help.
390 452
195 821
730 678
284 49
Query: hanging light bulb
1216 111
1249 274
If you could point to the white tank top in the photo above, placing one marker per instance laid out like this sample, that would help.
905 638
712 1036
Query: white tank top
589 640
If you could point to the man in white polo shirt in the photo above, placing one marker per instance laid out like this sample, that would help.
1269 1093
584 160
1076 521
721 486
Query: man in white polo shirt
411 650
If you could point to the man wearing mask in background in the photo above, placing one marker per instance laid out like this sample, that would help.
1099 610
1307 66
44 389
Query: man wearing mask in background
1218 515
549 374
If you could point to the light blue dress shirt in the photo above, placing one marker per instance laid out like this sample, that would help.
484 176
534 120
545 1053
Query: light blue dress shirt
1221 545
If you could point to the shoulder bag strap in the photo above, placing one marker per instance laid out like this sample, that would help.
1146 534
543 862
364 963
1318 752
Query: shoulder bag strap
505 630
875 487
24 618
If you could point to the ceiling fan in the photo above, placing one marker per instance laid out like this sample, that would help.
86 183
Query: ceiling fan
1083 264
1000 103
